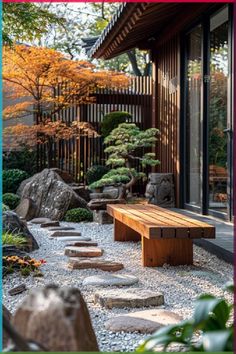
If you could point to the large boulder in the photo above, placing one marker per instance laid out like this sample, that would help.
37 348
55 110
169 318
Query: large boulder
13 224
65 176
56 318
52 196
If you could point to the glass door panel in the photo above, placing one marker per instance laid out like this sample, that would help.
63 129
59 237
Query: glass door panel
218 138
194 117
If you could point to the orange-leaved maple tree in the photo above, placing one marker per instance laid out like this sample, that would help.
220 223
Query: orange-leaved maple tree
43 82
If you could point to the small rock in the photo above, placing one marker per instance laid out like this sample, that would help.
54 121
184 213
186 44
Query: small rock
147 321
73 251
103 264
65 233
110 280
51 223
17 290
40 220
128 298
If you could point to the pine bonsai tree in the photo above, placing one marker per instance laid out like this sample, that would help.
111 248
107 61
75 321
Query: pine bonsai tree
125 142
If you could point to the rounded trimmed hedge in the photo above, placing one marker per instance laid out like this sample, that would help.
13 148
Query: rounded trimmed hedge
11 180
78 215
5 207
112 120
11 200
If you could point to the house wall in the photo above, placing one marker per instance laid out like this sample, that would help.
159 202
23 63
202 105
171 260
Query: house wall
166 107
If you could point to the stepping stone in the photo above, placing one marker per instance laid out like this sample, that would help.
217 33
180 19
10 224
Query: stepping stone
69 239
51 223
147 321
40 220
17 290
61 228
82 244
110 280
102 264
65 233
128 298
73 251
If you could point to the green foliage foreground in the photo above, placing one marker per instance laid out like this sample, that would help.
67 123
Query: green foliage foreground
126 144
212 320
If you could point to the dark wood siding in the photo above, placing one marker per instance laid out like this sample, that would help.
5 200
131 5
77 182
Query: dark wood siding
167 106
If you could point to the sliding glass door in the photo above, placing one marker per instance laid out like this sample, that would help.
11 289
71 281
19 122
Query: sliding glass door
194 116
219 120
208 145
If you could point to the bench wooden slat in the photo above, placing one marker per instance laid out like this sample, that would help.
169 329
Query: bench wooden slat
208 230
188 230
156 222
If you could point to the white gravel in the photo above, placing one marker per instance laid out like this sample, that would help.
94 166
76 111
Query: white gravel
180 285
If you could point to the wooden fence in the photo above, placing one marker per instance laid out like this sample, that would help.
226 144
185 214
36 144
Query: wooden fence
76 156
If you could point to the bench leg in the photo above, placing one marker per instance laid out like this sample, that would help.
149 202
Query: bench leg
124 233
170 251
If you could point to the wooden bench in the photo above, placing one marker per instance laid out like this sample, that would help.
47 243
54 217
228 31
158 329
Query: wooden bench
167 236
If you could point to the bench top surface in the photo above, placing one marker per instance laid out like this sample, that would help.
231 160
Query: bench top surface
155 222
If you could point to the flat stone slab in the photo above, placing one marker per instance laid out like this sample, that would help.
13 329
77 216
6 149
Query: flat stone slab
50 224
61 228
73 251
70 239
40 220
128 298
65 233
102 264
147 321
82 243
110 280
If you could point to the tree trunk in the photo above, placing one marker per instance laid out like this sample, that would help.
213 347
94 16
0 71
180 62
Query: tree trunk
133 62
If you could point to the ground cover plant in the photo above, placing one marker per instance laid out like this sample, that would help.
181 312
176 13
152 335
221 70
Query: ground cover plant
25 265
125 146
78 215
13 239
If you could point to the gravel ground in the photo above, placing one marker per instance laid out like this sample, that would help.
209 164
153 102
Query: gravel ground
180 285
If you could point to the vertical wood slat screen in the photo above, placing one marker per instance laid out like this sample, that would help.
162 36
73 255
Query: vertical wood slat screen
76 156
168 107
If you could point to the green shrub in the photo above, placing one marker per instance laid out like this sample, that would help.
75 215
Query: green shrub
11 200
13 239
95 173
112 120
212 318
5 207
78 215
24 159
11 180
